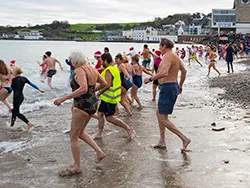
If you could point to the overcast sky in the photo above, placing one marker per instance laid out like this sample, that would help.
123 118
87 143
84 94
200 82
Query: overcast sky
22 12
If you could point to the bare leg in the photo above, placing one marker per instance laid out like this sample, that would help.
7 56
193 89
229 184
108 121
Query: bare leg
29 126
208 73
101 121
49 82
154 92
163 119
88 139
216 70
161 144
136 97
124 102
7 104
118 122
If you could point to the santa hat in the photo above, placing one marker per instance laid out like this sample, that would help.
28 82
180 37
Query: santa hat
132 48
97 54
157 53
12 62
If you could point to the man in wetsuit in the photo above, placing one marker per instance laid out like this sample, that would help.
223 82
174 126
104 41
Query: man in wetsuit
52 66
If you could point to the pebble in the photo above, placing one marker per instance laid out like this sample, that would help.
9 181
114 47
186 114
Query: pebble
213 124
226 161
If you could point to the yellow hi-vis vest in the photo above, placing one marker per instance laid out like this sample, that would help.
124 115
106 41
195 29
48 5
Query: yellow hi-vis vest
113 94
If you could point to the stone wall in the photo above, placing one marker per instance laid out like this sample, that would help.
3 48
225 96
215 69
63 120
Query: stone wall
242 12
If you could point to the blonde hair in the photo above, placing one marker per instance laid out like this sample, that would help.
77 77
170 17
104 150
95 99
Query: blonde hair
17 70
78 58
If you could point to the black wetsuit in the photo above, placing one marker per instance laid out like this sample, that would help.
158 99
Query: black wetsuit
17 86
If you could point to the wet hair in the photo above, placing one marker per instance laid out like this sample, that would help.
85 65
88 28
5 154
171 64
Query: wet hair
48 53
17 70
169 44
3 68
78 58
106 49
107 57
136 58
145 46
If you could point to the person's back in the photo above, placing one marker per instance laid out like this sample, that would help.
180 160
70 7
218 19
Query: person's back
51 63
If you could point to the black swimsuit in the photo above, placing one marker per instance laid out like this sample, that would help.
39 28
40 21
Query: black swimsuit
86 102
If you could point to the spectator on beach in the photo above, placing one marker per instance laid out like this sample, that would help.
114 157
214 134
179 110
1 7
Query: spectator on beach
106 50
83 87
167 76
12 64
17 85
52 67
229 58
5 83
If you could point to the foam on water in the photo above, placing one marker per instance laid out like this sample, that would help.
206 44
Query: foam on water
12 146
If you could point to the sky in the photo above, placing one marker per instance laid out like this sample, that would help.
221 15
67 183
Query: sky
23 12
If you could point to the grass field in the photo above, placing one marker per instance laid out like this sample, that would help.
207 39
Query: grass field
86 27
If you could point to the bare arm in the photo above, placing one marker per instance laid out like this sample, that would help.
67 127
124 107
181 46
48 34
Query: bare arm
183 77
82 81
109 79
146 71
59 64
101 81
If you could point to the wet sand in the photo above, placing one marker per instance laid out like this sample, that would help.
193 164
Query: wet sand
217 159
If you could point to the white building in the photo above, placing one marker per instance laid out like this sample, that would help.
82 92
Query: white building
30 35
144 33
157 38
128 34
223 19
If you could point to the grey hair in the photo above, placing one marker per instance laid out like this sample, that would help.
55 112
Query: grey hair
78 58
169 43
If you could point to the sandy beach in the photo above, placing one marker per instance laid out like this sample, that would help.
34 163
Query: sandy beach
217 158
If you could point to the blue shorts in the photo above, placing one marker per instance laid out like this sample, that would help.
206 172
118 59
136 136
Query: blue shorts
146 62
167 97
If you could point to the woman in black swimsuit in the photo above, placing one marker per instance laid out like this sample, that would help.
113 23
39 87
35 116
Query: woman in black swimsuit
5 82
84 107
124 85
17 85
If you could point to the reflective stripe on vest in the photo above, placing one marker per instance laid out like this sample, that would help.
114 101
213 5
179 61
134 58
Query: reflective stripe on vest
113 94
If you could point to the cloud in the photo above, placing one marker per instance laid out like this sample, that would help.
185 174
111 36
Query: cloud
21 12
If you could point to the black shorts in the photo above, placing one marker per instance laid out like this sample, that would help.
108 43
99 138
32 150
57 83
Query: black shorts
107 108
50 73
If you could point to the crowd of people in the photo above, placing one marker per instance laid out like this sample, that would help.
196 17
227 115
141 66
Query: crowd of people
97 90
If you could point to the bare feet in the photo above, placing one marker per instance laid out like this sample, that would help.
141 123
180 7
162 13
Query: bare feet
185 144
131 131
97 136
29 126
159 146
100 157
70 172
153 100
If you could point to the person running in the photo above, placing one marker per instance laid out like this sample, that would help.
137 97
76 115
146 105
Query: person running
193 52
183 53
110 96
157 55
212 57
83 87
137 78
52 66
17 85
146 56
125 85
44 69
167 76
229 58
5 84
